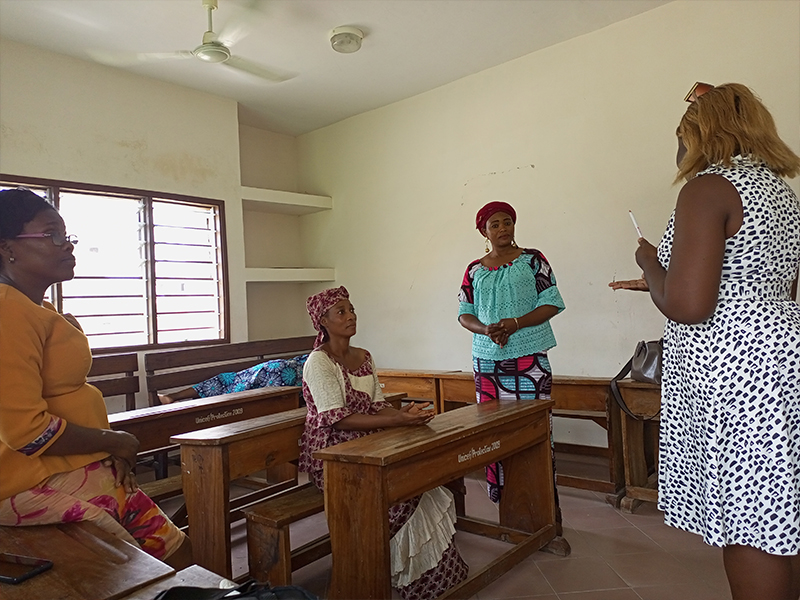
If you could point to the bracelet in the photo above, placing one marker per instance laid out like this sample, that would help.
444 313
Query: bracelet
517 322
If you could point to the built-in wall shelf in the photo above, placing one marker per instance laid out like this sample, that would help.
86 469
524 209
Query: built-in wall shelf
288 275
276 201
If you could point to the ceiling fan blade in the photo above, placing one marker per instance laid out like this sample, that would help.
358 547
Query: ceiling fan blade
242 64
240 23
124 59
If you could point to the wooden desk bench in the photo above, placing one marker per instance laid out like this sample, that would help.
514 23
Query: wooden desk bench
116 375
88 563
640 442
417 384
364 477
153 426
574 397
212 458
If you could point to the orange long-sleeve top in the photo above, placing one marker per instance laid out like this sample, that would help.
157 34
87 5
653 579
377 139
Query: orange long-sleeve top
44 361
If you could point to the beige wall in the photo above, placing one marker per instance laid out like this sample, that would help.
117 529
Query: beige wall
573 136
268 160
67 119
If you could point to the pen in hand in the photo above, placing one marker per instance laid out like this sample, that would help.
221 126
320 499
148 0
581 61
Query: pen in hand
635 224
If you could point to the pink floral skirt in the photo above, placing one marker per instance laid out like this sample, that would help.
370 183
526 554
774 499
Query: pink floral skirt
89 494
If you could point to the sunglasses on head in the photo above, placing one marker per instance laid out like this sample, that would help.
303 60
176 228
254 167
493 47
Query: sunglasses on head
698 89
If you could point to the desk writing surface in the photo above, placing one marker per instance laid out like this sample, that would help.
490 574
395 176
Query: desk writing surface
453 444
399 443
154 425
241 430
88 563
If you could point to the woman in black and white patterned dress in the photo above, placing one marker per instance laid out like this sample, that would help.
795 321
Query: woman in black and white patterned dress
725 276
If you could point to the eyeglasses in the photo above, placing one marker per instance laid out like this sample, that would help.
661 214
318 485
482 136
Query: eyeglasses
58 239
698 89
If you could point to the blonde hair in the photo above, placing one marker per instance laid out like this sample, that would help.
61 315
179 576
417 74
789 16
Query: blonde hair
728 120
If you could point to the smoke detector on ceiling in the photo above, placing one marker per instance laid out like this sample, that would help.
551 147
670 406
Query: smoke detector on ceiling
346 39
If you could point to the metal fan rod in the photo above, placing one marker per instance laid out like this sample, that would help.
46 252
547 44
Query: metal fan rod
210 6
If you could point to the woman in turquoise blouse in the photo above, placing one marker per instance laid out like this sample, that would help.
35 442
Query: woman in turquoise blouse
507 300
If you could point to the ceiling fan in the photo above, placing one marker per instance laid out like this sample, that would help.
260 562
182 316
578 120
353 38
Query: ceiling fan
214 49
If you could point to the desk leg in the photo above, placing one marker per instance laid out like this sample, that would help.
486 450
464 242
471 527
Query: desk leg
358 521
528 499
206 488
635 462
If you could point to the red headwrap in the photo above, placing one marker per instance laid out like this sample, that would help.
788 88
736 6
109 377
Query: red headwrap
319 304
493 207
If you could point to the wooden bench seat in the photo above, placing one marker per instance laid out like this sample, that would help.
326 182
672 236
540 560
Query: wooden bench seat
269 553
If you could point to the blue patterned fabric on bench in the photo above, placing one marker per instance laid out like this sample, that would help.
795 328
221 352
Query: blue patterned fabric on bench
272 373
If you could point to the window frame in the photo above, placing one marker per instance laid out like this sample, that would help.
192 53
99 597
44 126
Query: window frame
53 189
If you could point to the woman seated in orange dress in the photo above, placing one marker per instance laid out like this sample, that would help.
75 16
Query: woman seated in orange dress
60 461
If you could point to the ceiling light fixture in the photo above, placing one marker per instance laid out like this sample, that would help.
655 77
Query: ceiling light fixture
346 39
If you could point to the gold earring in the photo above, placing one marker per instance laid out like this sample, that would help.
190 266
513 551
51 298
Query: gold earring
514 244
487 245
11 259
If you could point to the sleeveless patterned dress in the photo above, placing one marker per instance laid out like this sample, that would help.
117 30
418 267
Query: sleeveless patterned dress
729 465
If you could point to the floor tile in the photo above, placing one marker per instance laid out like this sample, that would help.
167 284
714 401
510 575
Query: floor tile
615 556
523 581
682 592
619 540
651 568
581 574
625 594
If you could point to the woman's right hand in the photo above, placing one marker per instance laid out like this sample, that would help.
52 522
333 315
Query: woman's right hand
497 333
123 449
125 446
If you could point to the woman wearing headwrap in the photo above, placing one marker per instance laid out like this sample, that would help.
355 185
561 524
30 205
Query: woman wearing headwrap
507 299
345 402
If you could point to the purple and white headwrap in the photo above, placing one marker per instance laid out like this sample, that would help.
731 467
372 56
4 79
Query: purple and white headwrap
319 304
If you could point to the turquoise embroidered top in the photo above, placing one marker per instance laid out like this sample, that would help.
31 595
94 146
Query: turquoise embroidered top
509 291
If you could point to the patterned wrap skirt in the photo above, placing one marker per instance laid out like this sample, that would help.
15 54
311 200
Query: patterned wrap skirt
90 494
524 378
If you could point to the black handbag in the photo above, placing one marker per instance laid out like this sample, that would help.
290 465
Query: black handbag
644 366
249 590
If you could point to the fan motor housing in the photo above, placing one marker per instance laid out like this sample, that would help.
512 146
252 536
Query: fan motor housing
212 52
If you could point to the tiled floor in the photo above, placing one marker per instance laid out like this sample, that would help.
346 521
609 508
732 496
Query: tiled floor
615 556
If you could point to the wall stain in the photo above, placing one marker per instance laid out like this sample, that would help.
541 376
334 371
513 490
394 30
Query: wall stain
494 173
184 167
21 140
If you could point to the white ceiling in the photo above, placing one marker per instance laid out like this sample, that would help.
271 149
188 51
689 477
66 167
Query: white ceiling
410 46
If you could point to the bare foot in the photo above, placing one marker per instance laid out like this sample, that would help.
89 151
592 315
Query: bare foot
165 399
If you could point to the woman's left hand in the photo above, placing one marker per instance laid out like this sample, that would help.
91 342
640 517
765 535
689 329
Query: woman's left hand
646 254
511 326
125 476
411 414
